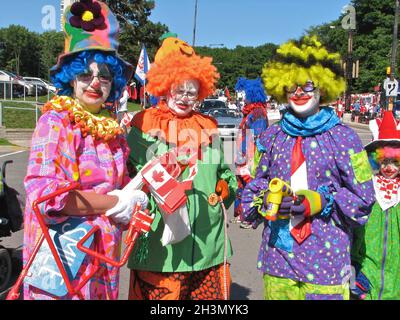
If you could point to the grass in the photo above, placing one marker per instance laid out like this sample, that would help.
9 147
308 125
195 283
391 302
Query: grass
4 142
26 119
134 107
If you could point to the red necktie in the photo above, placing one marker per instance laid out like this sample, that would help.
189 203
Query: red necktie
300 228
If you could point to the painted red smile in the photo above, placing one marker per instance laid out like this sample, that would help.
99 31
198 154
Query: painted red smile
93 94
300 101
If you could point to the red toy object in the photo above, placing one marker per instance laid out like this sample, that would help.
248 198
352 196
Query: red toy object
140 223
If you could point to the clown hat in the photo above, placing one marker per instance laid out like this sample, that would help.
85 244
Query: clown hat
385 132
90 25
172 44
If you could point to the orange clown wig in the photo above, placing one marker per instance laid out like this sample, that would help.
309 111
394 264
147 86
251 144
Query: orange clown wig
180 64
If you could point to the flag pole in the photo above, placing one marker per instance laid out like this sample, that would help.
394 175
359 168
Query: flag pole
144 94
144 82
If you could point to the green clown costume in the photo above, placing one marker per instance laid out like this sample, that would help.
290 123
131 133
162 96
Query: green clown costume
202 251
376 247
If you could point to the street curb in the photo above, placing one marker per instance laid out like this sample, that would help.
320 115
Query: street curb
10 149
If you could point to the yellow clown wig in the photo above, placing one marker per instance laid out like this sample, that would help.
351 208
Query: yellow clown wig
297 62
180 64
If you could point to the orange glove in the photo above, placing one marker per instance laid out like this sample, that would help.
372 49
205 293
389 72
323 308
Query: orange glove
222 189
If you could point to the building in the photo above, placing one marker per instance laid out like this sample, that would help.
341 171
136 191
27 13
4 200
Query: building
64 5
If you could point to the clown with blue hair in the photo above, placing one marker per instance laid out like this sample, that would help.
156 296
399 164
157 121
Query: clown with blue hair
254 122
78 140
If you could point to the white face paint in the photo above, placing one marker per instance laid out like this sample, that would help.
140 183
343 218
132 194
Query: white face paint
390 168
92 88
304 100
183 97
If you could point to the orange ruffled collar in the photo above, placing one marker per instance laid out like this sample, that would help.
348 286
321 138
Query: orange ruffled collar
100 127
193 130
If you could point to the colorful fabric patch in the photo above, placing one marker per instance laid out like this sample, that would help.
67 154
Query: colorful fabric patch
280 235
361 166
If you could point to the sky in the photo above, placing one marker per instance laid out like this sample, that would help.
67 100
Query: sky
225 23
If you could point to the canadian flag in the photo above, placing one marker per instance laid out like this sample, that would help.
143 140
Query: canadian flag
126 119
160 175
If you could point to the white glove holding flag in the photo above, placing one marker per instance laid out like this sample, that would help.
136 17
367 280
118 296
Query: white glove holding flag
127 199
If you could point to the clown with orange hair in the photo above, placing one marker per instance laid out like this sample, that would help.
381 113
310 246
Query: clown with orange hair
377 243
186 255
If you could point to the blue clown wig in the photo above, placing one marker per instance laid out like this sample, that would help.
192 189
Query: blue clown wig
80 62
253 89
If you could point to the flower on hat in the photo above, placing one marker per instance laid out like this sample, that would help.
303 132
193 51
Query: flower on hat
87 15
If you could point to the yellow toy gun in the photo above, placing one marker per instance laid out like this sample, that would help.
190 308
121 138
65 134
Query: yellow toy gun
277 190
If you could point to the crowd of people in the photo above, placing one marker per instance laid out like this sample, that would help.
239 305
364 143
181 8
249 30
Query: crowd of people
325 202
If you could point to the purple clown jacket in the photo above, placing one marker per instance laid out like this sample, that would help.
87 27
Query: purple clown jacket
335 159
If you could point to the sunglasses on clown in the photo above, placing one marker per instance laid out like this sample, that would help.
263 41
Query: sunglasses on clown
88 76
307 87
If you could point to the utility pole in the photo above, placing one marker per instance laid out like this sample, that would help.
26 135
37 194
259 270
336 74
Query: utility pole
194 26
349 24
349 70
392 100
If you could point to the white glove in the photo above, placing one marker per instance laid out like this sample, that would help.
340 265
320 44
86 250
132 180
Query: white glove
122 211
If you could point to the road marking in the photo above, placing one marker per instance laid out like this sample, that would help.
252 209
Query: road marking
10 154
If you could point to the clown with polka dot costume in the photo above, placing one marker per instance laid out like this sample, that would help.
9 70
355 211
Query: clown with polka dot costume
305 247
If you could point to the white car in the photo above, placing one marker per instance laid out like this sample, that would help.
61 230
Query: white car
20 86
42 82
228 121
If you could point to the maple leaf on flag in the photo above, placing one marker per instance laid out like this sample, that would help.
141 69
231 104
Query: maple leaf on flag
158 176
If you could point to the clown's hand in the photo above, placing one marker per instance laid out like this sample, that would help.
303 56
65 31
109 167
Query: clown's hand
308 203
222 189
122 211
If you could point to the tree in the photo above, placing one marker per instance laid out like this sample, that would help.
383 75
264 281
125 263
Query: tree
51 46
372 40
239 62
136 28
21 50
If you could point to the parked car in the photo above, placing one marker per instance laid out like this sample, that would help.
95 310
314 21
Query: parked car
212 104
228 121
31 89
6 80
50 87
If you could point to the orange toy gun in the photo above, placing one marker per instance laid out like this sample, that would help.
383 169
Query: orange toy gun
277 190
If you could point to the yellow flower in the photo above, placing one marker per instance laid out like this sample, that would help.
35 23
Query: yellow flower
87 16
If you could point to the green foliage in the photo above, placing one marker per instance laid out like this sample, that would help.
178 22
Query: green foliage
20 51
51 46
137 29
372 40
239 62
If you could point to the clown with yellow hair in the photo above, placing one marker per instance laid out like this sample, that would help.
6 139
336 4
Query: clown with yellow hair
187 253
304 252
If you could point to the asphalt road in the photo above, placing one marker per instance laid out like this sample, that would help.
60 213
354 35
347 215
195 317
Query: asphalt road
246 280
